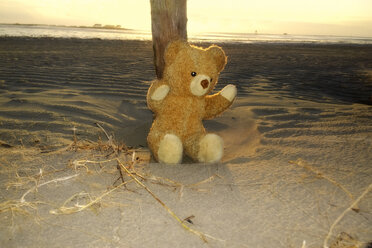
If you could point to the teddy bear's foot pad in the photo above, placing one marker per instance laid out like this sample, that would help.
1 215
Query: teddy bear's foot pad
170 149
211 148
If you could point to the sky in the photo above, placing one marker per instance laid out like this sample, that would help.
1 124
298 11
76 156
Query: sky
308 17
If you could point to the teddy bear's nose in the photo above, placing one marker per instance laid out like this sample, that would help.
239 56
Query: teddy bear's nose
204 83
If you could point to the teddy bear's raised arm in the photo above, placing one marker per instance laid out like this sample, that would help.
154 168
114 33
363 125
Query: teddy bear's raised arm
156 94
219 102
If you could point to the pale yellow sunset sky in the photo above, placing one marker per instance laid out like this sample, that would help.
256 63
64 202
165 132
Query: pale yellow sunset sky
328 17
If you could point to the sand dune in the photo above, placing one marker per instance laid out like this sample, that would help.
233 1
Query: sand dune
298 149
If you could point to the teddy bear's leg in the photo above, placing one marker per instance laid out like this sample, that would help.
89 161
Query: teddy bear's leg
207 148
210 148
167 148
170 149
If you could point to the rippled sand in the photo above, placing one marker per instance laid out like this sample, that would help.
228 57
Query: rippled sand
298 148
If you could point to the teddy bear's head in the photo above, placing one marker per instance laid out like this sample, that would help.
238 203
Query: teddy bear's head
192 70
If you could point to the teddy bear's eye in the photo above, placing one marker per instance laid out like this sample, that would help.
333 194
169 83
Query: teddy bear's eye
193 74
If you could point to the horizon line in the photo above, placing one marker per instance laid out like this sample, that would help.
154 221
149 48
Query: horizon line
119 27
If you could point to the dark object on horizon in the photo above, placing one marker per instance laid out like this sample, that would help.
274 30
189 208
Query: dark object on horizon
106 26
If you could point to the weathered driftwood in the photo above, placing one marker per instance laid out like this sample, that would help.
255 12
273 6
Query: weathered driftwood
168 20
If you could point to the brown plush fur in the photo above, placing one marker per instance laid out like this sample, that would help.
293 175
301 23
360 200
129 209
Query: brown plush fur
181 112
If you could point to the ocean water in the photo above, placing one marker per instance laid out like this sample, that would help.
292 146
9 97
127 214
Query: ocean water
116 34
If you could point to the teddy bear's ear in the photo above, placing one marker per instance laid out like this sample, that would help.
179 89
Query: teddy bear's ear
172 50
218 56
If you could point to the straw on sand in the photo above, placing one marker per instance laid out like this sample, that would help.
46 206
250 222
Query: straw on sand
113 150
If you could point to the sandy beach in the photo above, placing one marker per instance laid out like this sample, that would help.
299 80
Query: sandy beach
297 168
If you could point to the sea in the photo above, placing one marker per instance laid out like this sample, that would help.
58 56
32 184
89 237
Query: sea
19 30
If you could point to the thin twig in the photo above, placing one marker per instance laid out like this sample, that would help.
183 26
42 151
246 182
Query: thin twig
209 179
201 235
79 208
121 173
45 183
303 244
115 149
108 137
320 174
111 143
352 206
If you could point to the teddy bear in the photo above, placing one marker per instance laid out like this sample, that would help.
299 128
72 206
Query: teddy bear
180 101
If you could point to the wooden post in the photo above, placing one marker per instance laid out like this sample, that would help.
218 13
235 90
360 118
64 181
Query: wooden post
168 23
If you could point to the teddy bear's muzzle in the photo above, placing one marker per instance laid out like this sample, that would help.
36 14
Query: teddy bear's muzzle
200 84
204 83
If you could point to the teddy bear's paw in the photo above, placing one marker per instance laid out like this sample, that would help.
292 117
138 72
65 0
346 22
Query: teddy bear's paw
160 93
170 149
229 92
211 148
